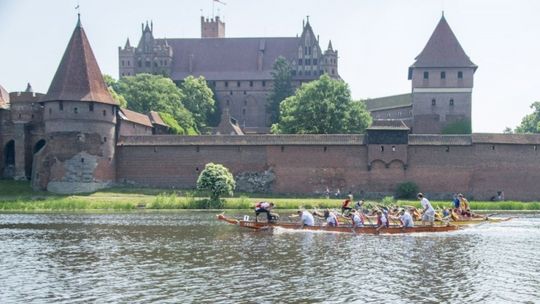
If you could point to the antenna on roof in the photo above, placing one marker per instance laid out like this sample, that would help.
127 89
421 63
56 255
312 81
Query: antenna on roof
78 8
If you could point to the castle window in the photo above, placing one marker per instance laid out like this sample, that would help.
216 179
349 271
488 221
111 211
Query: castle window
123 74
155 64
535 148
213 84
245 92
493 148
308 72
333 72
128 63
91 107
104 112
251 83
113 110
198 149
82 160
433 102
382 148
139 63
314 61
309 50
305 50
264 83
300 61
122 62
147 63
393 148
104 139
321 72
50 111
238 83
443 75
426 75
20 115
325 148
226 84
245 102
451 102
244 112
447 149
61 105
282 148
75 110
293 72
460 75
230 92
308 61
228 102
300 73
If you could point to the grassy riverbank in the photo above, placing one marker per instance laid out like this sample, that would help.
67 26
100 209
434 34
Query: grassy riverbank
18 196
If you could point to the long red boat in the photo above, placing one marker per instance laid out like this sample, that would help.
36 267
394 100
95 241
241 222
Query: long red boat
347 229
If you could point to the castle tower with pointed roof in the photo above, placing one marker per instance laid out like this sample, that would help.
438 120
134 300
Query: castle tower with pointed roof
80 125
442 81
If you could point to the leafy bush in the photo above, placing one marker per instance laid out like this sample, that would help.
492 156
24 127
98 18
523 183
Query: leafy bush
407 190
216 179
388 200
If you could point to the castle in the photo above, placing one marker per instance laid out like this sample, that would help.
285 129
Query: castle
76 139
238 70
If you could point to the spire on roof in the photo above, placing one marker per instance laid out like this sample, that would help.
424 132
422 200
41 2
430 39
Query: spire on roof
128 45
29 88
443 50
78 77
330 48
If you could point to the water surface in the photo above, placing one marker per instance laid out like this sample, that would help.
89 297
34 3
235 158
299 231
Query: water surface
189 257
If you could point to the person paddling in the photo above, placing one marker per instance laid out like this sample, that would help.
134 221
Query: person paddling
356 218
428 214
331 218
306 219
264 207
406 219
382 220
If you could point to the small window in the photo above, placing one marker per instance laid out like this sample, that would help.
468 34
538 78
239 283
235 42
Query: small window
535 148
139 63
245 102
226 84
20 115
213 83
282 148
314 61
299 73
198 149
50 111
333 72
264 83
104 139
91 107
230 93
61 105
460 75
293 72
244 112
433 102
104 112
238 83
426 75
382 148
75 110
251 83
147 64
228 102
451 102
129 63
245 92
308 61
300 61
493 148
325 148
393 148
447 149
82 160
443 75
122 62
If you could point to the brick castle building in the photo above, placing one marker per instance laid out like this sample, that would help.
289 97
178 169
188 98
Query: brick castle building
75 139
237 69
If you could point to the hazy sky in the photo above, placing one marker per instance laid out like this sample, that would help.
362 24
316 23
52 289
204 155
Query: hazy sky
377 40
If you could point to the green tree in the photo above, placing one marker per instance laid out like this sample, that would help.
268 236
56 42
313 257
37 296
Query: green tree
282 87
216 179
199 100
531 122
146 92
111 84
323 106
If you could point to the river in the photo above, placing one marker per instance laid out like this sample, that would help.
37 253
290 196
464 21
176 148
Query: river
189 257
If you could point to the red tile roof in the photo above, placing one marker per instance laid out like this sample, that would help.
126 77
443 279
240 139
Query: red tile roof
443 50
135 117
156 119
78 77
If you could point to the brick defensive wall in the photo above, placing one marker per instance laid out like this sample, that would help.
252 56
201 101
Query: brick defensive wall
478 165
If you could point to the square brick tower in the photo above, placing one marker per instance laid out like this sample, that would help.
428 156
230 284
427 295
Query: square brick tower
442 81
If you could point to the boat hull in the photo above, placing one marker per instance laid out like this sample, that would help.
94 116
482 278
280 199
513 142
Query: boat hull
361 230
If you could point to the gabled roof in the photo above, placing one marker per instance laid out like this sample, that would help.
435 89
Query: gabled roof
443 50
135 117
229 58
156 119
78 77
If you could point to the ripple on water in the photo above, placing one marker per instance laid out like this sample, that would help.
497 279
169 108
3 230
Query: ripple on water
190 257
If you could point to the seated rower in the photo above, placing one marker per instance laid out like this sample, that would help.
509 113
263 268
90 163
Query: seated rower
382 220
406 219
306 219
358 205
356 218
331 218
264 207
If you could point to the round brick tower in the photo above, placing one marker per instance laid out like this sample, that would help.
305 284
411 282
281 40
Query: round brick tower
80 125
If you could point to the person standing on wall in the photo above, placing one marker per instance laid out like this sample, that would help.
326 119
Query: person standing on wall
346 205
264 207
428 214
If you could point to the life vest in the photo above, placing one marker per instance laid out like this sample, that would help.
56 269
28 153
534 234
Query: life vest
346 203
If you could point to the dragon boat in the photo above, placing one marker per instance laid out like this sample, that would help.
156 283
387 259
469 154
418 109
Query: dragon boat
368 229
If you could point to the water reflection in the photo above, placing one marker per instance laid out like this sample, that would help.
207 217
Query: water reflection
190 257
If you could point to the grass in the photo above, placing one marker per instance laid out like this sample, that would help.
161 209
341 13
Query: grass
19 196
